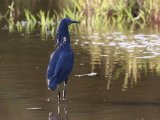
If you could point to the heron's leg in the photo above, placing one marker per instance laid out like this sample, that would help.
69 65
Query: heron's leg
59 94
58 107
64 91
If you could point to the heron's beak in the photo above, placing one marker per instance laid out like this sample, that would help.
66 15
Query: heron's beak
74 21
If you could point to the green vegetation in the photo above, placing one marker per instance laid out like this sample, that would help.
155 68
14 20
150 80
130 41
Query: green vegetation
92 13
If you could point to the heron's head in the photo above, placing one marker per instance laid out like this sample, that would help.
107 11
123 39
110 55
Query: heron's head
68 21
62 30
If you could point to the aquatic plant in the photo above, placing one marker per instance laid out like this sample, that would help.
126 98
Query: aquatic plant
47 23
10 20
117 11
30 21
19 26
30 18
92 14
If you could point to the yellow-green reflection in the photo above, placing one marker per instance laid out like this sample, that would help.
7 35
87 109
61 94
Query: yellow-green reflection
126 57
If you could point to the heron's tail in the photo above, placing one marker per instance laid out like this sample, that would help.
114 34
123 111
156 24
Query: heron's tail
51 86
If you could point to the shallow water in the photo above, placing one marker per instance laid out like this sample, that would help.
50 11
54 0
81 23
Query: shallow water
116 76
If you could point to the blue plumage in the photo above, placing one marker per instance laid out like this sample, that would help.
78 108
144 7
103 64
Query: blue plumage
62 59
60 66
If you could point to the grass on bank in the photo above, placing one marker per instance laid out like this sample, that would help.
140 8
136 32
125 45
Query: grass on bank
93 14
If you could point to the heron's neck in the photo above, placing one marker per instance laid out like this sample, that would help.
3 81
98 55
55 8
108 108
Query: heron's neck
63 36
64 30
64 45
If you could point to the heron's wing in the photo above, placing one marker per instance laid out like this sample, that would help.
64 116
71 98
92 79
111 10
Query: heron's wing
52 63
59 64
55 64
54 67
59 68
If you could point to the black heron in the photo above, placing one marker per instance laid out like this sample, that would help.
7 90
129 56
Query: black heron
62 59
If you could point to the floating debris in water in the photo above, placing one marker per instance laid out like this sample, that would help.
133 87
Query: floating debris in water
90 74
34 108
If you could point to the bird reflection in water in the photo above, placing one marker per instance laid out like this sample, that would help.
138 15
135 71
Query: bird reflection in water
61 113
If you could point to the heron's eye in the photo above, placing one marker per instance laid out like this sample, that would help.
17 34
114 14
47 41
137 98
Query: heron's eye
69 22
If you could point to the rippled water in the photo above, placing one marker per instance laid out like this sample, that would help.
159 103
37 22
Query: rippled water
116 76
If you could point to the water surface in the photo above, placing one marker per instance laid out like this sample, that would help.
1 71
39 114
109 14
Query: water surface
116 76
